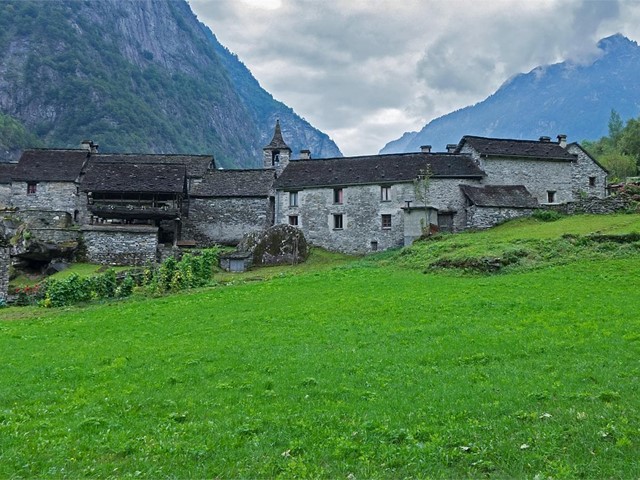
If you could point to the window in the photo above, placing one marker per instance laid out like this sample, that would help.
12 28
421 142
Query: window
592 181
385 194
293 199
32 187
293 220
337 196
386 222
275 158
551 196
337 221
374 246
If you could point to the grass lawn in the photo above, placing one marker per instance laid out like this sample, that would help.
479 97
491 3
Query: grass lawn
364 370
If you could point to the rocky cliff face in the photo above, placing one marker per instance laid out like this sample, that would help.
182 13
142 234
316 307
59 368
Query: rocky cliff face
134 76
569 98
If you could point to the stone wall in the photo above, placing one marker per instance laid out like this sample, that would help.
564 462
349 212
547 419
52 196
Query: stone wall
4 271
485 217
595 205
362 211
584 169
56 196
225 220
5 194
44 218
538 176
120 245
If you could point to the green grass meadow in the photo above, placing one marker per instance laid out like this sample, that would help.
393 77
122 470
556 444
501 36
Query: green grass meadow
365 369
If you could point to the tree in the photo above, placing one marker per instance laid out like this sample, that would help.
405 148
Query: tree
620 166
615 127
629 143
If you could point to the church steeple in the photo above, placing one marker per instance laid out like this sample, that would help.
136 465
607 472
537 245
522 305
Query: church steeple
277 154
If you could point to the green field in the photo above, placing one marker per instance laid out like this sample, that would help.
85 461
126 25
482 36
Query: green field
366 369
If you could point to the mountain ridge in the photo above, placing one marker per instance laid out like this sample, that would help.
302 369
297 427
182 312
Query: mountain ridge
572 98
134 76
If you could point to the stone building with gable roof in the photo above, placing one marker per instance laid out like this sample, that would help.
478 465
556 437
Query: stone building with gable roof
368 203
6 173
228 204
128 203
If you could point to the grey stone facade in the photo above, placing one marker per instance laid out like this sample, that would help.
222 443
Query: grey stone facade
57 196
5 194
538 176
485 217
588 176
362 211
4 271
120 245
225 220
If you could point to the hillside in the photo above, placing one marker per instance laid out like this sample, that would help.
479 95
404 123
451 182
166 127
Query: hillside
570 98
332 374
135 76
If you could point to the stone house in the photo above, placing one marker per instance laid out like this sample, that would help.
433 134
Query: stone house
48 179
6 172
129 204
228 204
552 172
368 203
489 205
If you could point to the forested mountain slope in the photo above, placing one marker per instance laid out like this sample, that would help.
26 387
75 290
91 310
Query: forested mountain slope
134 76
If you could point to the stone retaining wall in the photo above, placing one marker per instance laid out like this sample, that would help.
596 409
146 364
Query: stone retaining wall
4 271
594 205
120 245
486 217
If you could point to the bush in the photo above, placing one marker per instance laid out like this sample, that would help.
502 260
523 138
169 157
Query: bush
547 215
190 272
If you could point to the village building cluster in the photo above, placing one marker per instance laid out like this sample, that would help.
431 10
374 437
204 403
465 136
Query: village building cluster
124 207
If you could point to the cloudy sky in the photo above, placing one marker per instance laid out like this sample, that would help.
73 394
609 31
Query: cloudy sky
366 71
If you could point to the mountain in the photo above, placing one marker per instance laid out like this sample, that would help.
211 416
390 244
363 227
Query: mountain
570 98
134 76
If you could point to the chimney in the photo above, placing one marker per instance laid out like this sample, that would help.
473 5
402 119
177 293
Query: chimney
305 154
545 139
562 140
89 146
425 148
451 147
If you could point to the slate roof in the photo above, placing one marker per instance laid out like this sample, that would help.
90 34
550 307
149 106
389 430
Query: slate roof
515 196
49 165
131 177
6 172
277 141
501 147
235 183
197 165
375 169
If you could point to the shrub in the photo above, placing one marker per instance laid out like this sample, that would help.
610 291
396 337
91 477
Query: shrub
547 215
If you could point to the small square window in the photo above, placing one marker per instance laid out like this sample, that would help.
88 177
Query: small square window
374 246
293 199
293 220
32 188
337 221
385 194
551 196
386 222
337 195
592 181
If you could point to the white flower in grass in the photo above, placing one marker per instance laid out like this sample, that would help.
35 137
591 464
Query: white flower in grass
524 446
545 415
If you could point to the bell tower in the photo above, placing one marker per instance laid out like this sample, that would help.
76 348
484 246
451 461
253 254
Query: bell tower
277 154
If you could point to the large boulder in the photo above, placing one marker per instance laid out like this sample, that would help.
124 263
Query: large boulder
278 245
